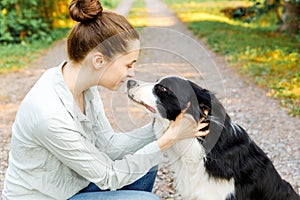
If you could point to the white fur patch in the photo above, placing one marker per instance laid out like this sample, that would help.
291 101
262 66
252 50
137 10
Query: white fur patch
192 180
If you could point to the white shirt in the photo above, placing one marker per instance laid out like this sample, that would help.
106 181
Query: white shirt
56 150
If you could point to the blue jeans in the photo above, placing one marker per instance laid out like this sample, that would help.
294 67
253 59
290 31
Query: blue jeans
140 189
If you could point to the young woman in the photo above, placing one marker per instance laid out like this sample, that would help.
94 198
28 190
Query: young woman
63 146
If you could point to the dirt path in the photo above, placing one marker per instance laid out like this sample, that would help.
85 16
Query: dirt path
169 48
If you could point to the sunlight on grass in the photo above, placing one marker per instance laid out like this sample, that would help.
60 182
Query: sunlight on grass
202 16
138 18
211 11
278 70
138 14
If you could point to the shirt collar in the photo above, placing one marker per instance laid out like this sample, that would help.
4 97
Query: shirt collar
66 96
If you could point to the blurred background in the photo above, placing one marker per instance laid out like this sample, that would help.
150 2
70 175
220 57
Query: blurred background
260 37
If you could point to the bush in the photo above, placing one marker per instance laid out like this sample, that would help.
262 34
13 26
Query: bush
21 20
30 20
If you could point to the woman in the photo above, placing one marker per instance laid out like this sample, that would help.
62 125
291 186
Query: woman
63 146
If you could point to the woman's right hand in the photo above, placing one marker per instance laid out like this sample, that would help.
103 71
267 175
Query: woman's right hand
183 127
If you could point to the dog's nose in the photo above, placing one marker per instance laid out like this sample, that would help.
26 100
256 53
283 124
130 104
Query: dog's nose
131 84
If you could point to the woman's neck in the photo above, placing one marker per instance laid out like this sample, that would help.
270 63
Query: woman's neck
77 80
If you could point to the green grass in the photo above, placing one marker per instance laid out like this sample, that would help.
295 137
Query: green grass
110 4
138 14
271 59
14 57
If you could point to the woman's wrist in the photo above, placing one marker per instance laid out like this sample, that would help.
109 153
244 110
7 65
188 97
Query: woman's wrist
165 141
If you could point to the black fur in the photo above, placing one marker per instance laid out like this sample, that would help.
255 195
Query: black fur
230 151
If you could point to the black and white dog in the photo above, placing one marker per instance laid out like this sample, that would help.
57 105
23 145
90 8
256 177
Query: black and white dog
224 165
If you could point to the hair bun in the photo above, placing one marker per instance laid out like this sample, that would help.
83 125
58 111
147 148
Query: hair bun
85 10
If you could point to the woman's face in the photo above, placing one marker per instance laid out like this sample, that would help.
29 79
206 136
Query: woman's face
117 71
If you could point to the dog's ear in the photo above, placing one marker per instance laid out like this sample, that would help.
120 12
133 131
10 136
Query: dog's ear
216 115
203 97
208 101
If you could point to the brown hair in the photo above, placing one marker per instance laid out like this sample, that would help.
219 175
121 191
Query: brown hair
106 31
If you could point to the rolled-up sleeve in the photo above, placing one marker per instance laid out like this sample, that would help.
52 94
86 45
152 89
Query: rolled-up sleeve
69 146
117 145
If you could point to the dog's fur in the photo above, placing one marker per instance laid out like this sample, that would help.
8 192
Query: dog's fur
226 164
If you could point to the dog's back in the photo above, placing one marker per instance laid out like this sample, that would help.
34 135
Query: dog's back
236 155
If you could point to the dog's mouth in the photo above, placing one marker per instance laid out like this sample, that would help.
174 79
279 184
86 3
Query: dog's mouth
151 109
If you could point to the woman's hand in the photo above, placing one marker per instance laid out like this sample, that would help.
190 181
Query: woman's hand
183 127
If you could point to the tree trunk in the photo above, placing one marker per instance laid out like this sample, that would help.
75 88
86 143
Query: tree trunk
291 18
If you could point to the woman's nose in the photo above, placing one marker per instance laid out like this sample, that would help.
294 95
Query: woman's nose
131 84
130 73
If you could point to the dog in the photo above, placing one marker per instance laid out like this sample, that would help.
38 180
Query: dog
225 164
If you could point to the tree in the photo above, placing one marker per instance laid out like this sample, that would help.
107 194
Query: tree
289 19
291 16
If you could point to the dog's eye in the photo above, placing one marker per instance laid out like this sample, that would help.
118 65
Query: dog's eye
161 88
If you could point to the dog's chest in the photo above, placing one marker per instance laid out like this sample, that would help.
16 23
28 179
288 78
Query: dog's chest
192 180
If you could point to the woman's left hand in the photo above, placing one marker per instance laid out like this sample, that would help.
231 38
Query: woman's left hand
183 127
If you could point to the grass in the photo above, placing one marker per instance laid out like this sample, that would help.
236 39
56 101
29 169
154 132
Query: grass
110 4
138 14
271 59
14 57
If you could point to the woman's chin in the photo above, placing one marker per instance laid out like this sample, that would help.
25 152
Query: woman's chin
116 87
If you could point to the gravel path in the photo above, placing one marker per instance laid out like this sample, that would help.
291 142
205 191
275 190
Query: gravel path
169 48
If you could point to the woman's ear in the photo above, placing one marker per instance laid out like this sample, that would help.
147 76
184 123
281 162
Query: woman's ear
98 60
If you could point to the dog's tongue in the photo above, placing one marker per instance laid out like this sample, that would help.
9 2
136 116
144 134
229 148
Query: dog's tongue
150 108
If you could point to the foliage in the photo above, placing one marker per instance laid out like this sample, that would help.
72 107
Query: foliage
32 20
17 22
293 1
28 20
287 12
271 59
15 56
262 7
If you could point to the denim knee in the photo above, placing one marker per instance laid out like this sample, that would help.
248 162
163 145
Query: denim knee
116 195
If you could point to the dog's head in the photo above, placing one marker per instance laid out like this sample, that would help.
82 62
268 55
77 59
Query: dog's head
167 97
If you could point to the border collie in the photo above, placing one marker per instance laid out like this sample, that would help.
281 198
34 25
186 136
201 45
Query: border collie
224 165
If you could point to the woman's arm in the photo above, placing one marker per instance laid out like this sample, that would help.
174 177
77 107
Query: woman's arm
62 139
117 145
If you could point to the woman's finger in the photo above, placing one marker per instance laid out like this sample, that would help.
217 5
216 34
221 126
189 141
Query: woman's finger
206 112
203 118
187 107
180 116
201 133
202 125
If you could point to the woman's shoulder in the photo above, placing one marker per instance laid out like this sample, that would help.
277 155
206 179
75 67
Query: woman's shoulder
43 97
